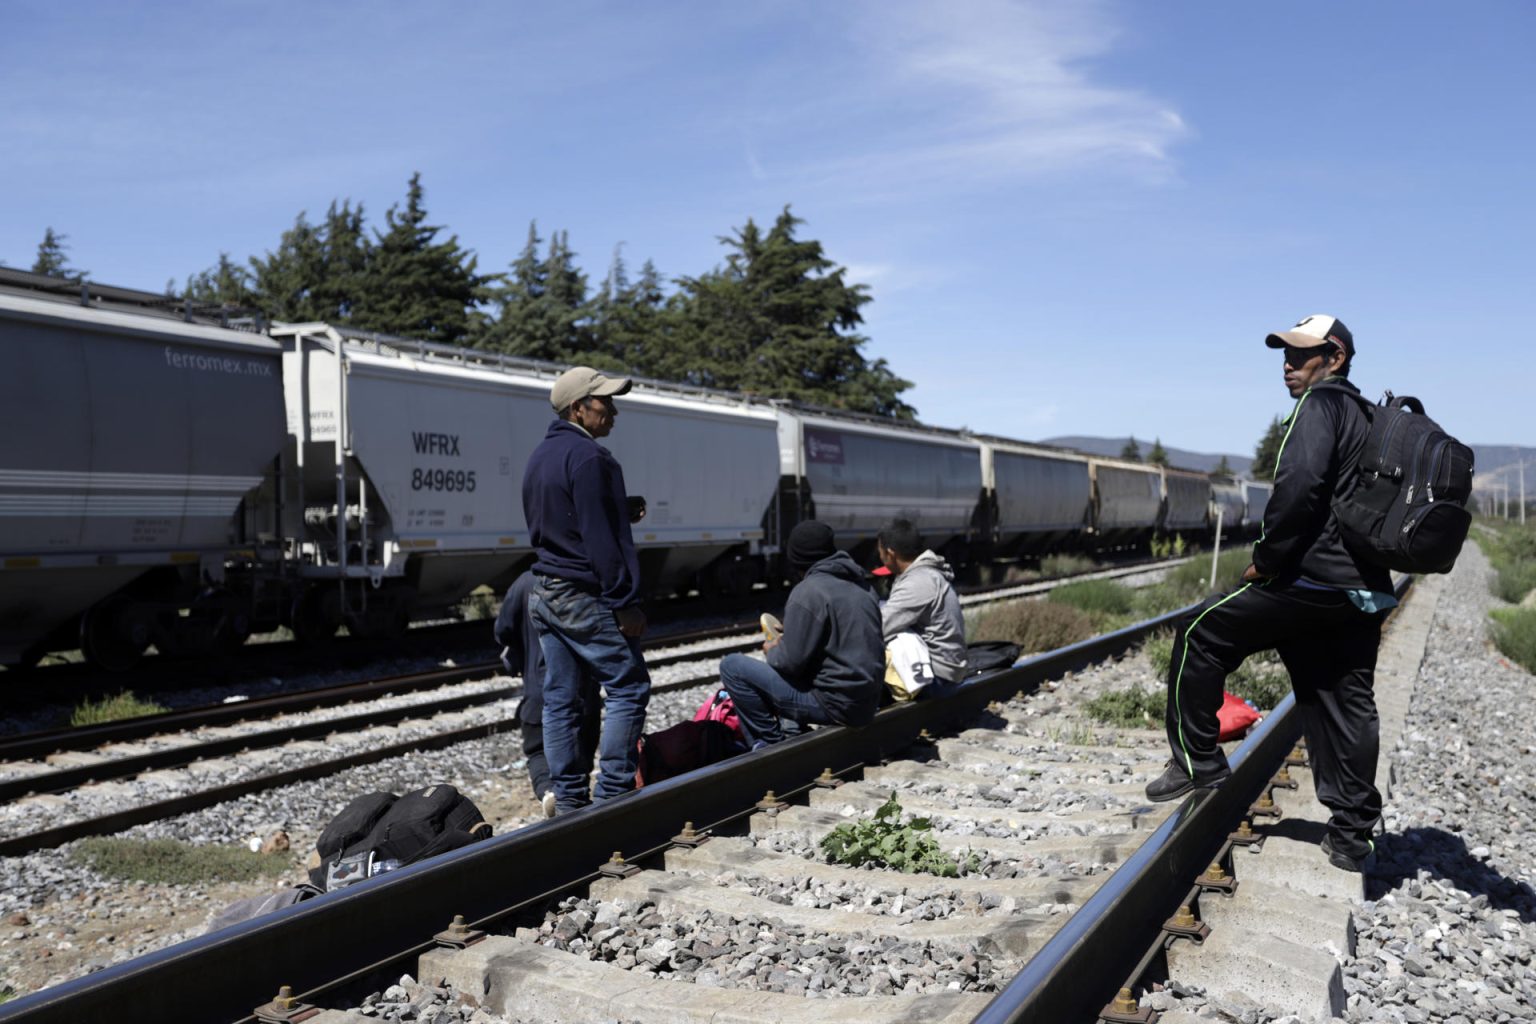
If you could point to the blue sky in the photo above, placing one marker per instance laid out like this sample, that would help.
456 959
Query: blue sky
1075 217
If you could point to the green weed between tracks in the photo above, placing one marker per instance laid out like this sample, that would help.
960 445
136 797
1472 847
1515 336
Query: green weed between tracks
177 863
1514 631
884 842
113 709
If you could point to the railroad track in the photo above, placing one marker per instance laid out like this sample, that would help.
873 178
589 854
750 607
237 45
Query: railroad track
117 756
1063 967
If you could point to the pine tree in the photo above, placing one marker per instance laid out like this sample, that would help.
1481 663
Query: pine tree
52 258
629 318
286 281
777 320
541 305
1158 456
414 285
1268 451
1223 468
226 283
1132 450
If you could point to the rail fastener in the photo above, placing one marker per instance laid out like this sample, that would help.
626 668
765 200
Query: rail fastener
1298 756
1124 1010
1185 925
1246 836
285 1008
617 867
458 935
1216 879
826 780
1264 807
1282 779
690 838
770 803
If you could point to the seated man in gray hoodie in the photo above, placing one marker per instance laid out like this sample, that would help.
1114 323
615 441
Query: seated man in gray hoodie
921 622
826 667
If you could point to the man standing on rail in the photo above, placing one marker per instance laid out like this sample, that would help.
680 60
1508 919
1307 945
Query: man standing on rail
1306 596
586 601
825 668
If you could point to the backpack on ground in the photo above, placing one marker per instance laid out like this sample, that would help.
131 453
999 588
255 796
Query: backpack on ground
989 656
719 707
379 832
1409 510
683 747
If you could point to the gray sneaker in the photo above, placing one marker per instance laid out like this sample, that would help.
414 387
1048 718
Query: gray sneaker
547 801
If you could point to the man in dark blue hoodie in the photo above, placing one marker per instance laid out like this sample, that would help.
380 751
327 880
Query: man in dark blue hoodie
827 667
586 604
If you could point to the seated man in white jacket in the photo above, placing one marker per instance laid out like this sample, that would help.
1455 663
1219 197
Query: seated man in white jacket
921 621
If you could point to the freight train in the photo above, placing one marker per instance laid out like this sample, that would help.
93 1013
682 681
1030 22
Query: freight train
177 480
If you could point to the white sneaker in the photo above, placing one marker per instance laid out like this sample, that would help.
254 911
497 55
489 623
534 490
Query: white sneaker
547 801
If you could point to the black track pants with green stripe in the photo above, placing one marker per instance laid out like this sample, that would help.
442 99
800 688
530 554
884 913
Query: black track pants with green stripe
1329 648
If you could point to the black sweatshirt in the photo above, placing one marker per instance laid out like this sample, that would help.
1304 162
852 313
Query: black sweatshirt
1319 458
832 642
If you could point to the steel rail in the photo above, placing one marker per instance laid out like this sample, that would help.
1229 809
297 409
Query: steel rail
313 944
1077 972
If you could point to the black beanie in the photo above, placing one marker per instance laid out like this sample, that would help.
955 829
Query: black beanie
809 543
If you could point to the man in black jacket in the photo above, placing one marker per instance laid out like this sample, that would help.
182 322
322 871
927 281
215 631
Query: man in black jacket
827 666
586 605
1306 596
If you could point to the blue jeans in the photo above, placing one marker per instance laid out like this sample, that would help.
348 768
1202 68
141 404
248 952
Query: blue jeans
762 697
580 640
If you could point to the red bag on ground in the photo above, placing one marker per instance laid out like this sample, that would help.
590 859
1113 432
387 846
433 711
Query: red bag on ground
1234 717
720 708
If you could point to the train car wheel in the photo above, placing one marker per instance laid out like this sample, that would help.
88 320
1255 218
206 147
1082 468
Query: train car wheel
114 634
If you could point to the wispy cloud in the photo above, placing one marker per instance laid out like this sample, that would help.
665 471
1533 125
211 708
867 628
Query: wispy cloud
983 93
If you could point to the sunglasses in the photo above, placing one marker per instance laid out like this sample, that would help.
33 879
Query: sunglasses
1300 356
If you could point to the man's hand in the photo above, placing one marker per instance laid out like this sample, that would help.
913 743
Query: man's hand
770 644
631 620
1252 575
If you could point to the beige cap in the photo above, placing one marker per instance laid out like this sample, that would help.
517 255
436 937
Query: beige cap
584 382
1310 332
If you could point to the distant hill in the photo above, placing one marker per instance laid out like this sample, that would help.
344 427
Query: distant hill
1199 461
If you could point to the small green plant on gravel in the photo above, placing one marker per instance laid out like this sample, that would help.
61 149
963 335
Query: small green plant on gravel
1103 597
1159 651
1260 683
113 709
177 863
1514 631
1034 625
885 842
1128 709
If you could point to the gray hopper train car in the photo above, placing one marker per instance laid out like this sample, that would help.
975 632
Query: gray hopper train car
1227 500
436 440
1041 499
1186 501
857 474
128 443
1128 499
1255 499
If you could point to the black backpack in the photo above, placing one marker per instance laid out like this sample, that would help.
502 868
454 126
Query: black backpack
379 832
989 656
1408 511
